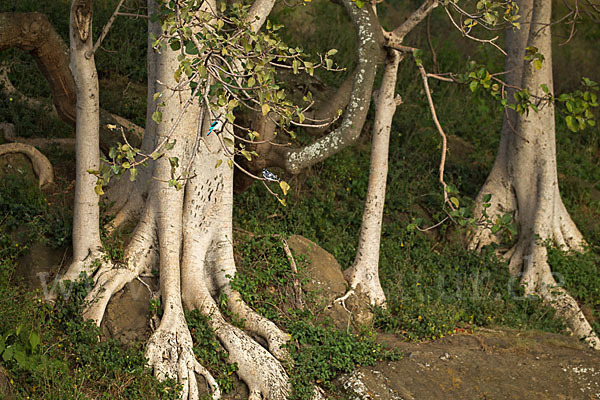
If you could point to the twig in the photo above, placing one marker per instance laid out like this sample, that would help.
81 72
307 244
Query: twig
441 132
105 30
296 283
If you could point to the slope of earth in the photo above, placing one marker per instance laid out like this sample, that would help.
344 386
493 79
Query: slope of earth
488 364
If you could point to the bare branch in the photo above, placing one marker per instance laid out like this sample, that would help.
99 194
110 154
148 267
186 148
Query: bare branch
398 34
105 30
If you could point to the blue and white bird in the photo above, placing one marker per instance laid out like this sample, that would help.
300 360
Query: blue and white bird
216 126
269 176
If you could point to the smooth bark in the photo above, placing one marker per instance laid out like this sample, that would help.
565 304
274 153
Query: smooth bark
524 179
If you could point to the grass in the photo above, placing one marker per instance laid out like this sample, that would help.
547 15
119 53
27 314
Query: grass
433 284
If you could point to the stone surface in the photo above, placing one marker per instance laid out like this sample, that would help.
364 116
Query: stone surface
324 283
487 364
127 315
39 264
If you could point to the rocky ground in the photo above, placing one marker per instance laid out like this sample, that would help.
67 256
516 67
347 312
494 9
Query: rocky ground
487 364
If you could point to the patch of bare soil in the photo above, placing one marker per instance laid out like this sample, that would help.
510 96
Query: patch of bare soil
488 364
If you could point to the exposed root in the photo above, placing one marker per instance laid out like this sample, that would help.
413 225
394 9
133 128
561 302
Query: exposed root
568 309
264 375
170 353
9 135
109 280
529 259
260 326
258 368
41 165
368 282
342 300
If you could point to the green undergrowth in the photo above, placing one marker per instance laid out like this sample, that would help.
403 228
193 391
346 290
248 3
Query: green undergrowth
579 273
433 284
319 351
48 351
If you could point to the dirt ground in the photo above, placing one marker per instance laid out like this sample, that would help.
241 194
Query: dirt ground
487 364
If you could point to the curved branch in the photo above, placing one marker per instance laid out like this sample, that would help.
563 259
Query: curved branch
41 165
33 32
369 55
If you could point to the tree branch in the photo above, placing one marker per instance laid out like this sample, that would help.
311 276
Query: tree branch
397 35
369 55
33 32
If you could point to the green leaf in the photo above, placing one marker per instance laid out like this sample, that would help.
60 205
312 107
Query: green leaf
332 52
454 201
8 353
157 117
230 117
98 189
571 123
228 142
246 154
265 109
506 219
486 198
133 172
219 162
284 187
34 340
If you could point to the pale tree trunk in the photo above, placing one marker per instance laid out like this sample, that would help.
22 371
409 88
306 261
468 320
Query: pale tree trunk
86 212
364 273
524 179
189 234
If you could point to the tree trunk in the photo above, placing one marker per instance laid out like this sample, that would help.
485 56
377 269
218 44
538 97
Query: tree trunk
189 233
524 178
86 213
365 271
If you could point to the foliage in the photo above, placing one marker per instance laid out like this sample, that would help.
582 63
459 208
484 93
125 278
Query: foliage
319 353
579 274
26 211
209 351
433 284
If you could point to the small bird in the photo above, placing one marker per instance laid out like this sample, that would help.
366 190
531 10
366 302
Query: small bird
216 126
268 175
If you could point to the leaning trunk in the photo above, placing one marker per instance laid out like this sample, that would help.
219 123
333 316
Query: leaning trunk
364 274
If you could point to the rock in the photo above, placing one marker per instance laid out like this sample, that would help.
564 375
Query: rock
127 315
325 283
372 384
39 264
